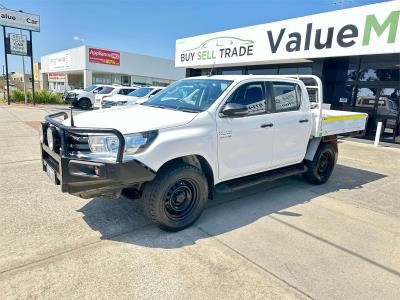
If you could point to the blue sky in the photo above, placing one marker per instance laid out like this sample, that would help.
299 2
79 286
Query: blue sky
151 26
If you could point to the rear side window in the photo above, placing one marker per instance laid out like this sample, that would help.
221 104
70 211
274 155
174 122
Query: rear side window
287 96
125 91
252 95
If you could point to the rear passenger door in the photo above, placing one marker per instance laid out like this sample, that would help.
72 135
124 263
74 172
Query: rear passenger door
292 123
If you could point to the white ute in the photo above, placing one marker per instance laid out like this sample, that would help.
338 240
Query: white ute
198 136
110 92
83 98
138 96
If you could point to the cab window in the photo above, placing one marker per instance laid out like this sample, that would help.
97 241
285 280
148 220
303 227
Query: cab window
252 95
287 96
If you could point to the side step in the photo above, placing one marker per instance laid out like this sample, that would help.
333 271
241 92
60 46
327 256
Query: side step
249 181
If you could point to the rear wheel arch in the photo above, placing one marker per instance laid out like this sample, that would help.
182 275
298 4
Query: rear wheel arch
316 143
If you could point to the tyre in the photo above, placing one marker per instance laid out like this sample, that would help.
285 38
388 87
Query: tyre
320 169
84 103
176 198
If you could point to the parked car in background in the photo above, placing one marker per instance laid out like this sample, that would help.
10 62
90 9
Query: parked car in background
138 96
387 110
83 98
109 91
11 85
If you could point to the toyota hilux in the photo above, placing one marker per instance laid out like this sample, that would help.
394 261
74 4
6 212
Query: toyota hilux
196 137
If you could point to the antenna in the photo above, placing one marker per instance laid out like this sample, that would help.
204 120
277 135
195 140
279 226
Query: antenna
212 69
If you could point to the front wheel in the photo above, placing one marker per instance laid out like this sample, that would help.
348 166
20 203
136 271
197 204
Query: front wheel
321 167
84 104
176 198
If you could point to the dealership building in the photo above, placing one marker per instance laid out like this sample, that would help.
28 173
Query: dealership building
355 52
85 65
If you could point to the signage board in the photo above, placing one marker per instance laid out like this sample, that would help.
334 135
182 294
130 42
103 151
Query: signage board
60 61
56 77
364 30
107 57
18 44
21 20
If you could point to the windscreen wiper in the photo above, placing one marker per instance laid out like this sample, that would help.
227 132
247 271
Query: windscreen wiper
188 110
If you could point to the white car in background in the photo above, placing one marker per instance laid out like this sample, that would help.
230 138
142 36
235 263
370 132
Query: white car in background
111 90
136 97
83 98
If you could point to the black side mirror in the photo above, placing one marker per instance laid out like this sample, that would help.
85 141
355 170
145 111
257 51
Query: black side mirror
235 110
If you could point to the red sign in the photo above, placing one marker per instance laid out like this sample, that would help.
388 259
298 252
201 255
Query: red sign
56 76
107 57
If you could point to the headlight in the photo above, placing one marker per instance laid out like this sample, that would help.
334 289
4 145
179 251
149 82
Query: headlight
41 132
134 143
51 137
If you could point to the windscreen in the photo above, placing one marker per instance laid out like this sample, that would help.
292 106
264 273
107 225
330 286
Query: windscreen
141 92
90 88
192 95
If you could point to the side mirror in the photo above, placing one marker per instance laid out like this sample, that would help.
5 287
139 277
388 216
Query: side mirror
235 110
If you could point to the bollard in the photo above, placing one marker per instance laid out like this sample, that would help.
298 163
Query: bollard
378 134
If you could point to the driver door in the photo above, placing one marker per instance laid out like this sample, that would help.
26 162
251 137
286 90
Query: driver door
245 143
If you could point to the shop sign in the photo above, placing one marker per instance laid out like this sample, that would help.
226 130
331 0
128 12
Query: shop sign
364 30
18 44
21 20
56 77
60 61
107 57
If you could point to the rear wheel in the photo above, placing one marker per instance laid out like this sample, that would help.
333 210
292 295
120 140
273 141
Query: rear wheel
84 103
321 167
176 198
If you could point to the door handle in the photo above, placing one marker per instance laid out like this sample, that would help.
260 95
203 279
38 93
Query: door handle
266 125
303 121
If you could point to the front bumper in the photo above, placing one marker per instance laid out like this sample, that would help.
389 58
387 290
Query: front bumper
70 98
85 177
